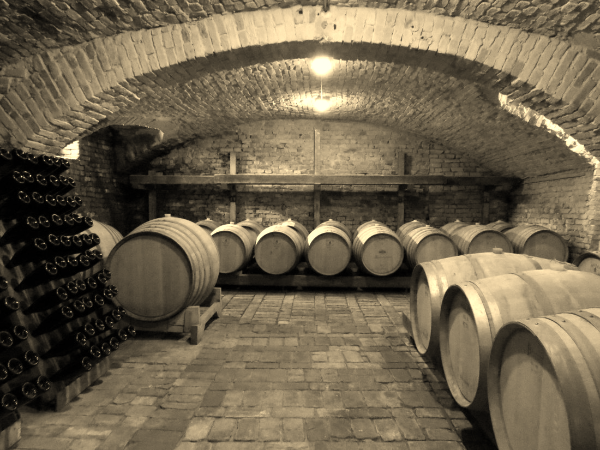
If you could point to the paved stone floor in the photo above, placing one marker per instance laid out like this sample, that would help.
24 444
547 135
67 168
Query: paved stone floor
278 370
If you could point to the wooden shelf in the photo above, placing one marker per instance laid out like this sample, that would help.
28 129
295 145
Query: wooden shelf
151 180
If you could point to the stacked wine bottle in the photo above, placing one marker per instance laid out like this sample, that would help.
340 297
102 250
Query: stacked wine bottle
55 324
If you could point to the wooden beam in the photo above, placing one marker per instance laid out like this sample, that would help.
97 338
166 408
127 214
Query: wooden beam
152 205
317 205
232 188
317 150
310 180
401 190
485 213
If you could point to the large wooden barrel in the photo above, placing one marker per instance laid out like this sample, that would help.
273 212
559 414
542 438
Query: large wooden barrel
451 227
208 225
588 262
109 237
253 227
406 228
278 249
364 225
500 225
377 250
235 246
162 267
426 244
431 280
479 239
544 382
340 225
472 312
300 229
536 240
329 250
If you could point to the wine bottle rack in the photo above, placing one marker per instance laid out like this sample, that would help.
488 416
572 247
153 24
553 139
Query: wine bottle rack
62 389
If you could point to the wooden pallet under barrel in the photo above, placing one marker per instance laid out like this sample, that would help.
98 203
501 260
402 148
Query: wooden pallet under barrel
191 320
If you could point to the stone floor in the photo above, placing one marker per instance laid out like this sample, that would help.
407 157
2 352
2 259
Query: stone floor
278 370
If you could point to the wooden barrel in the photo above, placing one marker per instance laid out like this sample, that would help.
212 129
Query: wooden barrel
377 250
109 237
426 244
364 225
329 250
340 225
472 312
208 225
235 246
278 249
406 228
162 267
300 229
430 281
588 262
538 241
500 225
253 227
479 239
451 227
543 382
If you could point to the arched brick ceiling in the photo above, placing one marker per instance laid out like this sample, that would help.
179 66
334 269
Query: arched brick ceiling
31 27
437 77
415 99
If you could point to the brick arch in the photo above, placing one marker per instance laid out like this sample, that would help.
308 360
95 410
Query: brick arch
55 97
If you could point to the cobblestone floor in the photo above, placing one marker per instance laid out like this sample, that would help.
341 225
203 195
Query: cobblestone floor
278 370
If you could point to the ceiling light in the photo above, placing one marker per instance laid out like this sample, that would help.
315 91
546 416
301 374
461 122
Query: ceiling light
321 104
322 65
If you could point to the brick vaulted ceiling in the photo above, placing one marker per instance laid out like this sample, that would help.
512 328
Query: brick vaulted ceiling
431 67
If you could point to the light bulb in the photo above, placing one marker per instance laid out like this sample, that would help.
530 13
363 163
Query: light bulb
321 105
322 65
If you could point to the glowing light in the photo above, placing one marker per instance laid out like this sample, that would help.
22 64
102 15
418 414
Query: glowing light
71 151
321 105
322 65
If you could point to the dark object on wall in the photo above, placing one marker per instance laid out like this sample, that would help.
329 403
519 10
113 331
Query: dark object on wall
135 147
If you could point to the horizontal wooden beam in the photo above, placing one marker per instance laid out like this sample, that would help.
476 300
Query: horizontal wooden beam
308 180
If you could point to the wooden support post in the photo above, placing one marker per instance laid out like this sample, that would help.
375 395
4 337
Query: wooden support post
232 188
152 199
485 213
317 150
317 205
401 163
401 189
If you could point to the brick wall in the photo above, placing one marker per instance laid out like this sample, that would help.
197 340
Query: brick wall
561 205
287 147
107 197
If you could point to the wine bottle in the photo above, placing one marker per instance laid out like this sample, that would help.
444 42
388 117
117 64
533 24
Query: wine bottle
9 305
6 340
7 164
75 265
44 273
8 404
89 303
105 348
99 325
53 184
23 230
14 367
82 223
94 352
46 165
114 343
78 308
88 329
25 160
20 334
55 224
25 393
91 284
32 251
3 284
77 367
81 286
54 320
13 183
109 321
130 331
48 300
68 224
43 384
72 342
64 166
121 334
98 301
94 257
15 206
72 204
118 313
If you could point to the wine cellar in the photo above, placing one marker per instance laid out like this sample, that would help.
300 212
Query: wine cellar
319 225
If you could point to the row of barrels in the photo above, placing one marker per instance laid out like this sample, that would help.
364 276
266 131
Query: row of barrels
518 336
328 249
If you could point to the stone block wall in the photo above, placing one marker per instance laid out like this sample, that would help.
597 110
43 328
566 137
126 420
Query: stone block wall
346 148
